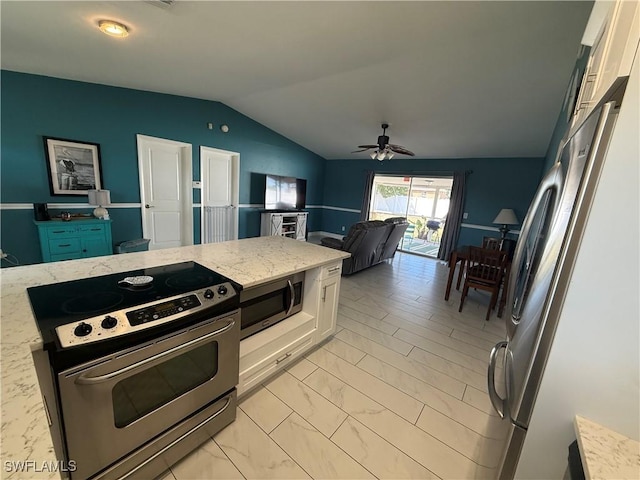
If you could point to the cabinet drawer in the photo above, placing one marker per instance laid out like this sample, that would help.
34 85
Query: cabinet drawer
260 371
92 229
61 231
64 245
333 270
65 256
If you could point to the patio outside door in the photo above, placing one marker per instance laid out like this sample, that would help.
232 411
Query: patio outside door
424 201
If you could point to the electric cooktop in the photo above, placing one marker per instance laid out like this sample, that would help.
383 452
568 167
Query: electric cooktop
97 309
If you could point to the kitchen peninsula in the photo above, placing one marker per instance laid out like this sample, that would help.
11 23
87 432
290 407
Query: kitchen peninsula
249 262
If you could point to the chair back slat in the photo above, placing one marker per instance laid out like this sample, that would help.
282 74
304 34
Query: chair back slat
486 265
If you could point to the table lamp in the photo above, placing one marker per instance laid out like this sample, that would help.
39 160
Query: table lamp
506 217
100 198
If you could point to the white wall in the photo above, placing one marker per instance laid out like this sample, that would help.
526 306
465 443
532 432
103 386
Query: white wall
593 368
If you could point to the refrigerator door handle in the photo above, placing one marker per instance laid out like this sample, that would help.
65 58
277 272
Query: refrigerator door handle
497 401
552 182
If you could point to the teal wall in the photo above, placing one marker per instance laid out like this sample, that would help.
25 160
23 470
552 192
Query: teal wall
494 183
34 106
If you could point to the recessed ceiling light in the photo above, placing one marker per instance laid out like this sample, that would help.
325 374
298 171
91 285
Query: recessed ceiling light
112 28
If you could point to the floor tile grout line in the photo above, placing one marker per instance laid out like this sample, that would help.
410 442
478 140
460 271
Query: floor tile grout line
374 432
393 413
441 344
366 395
406 393
422 401
274 441
419 348
227 456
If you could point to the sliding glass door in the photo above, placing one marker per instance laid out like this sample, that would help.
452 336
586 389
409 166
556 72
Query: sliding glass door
424 201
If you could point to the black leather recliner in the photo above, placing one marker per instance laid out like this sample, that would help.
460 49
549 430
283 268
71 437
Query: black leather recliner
369 243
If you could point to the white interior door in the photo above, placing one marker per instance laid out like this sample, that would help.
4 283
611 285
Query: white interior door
219 174
165 192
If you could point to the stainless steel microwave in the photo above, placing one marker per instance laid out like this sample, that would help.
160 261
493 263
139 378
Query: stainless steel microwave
270 303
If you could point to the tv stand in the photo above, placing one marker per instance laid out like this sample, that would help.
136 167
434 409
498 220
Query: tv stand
286 224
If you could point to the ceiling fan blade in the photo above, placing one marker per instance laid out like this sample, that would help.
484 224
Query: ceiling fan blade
400 149
368 146
363 150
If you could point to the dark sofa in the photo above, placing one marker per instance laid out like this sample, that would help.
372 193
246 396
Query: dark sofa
369 243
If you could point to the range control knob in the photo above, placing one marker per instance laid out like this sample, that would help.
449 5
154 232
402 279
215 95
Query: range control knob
208 293
222 290
83 329
109 322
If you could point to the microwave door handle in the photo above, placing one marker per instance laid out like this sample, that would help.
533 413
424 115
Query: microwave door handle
84 380
292 294
496 400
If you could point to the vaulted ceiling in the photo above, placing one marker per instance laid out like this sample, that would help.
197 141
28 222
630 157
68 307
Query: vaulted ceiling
453 79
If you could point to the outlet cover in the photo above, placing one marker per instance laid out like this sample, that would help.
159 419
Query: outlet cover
465 215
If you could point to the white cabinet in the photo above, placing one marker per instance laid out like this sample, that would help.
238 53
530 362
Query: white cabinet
329 292
287 224
269 351
611 56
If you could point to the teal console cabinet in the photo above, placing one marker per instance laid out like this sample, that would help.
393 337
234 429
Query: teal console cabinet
74 239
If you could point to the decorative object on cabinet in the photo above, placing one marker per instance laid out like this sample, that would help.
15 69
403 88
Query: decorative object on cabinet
74 239
286 224
41 212
100 198
74 167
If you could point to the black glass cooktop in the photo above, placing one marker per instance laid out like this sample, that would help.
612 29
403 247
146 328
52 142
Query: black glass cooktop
61 303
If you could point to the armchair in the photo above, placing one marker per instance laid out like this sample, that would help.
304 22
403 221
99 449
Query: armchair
367 242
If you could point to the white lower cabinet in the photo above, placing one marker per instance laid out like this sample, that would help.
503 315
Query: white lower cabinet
328 302
269 351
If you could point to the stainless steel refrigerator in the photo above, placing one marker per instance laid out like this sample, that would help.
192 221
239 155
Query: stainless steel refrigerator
540 275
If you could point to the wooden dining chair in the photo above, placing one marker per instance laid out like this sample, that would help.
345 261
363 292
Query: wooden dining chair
491 243
484 271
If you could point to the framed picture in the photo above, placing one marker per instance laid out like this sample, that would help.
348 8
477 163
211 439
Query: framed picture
74 167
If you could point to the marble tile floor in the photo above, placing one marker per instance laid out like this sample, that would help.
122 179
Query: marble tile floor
399 391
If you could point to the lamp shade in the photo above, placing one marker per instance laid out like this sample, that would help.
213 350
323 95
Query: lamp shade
99 197
506 217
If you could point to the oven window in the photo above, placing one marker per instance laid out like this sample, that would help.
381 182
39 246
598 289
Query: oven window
136 396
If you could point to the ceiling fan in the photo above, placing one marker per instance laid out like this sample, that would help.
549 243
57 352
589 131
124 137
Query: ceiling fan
384 149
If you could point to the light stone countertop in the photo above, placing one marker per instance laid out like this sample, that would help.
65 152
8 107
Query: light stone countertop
25 433
605 454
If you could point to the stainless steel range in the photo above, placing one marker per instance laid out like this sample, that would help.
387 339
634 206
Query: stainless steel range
142 365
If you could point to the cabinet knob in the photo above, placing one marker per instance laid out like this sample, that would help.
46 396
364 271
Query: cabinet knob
148 206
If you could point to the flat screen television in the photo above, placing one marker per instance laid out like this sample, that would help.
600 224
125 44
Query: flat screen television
285 193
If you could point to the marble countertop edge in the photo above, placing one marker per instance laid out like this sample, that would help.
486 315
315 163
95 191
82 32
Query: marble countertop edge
606 454
25 434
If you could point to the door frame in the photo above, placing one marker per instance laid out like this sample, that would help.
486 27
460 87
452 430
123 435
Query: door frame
235 187
186 167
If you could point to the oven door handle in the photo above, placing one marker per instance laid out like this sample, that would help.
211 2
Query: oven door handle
84 380
292 293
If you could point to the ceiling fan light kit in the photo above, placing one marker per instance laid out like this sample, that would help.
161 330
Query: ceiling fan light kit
383 149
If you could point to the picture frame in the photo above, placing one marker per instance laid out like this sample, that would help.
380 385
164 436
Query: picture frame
74 166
